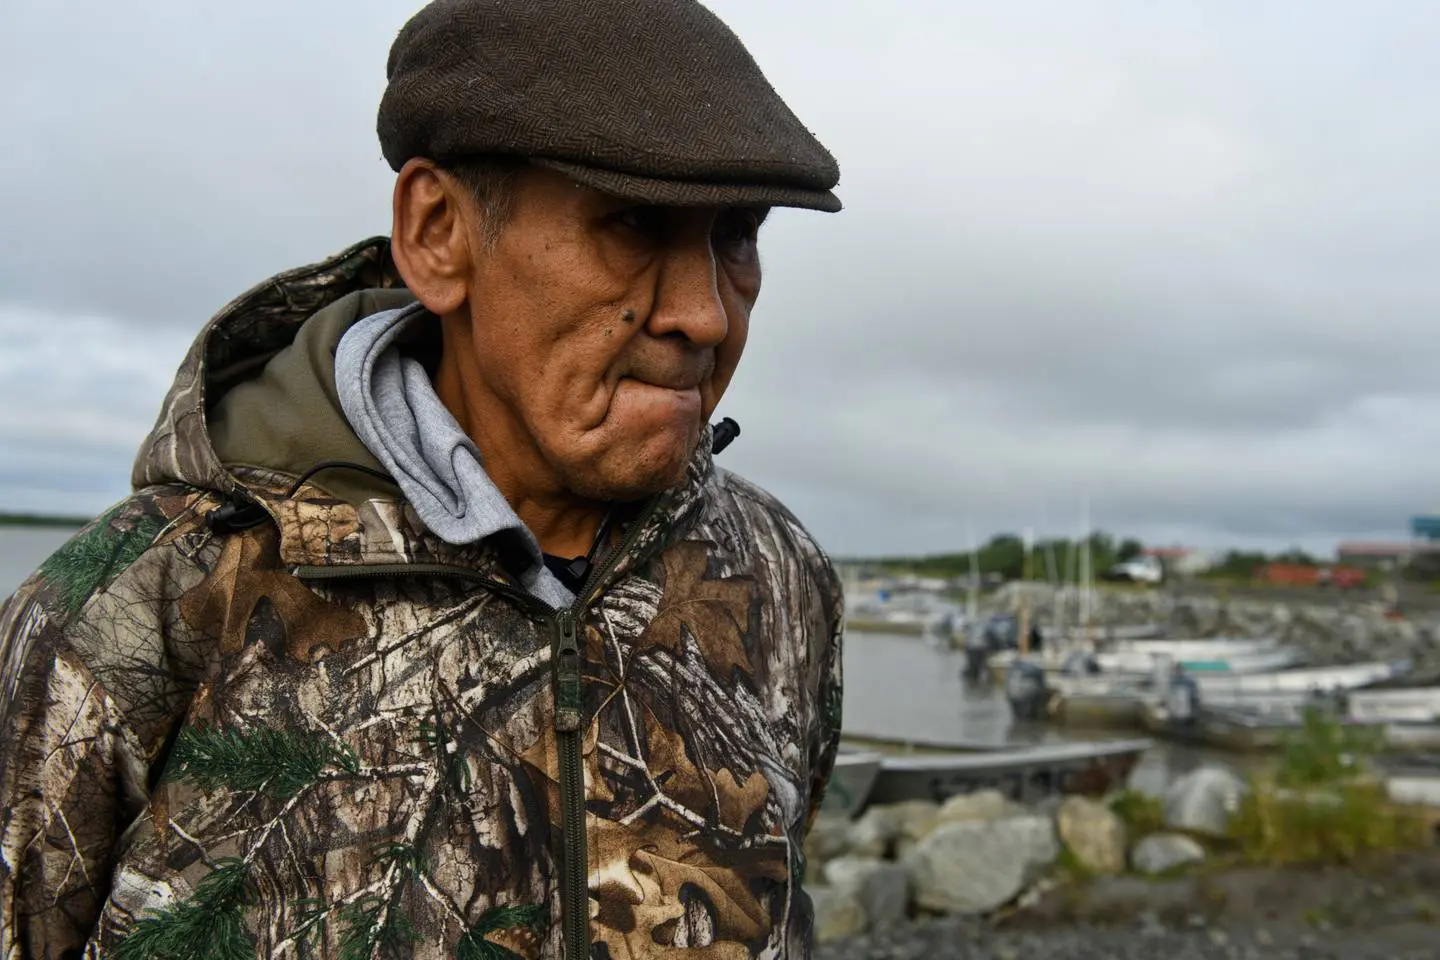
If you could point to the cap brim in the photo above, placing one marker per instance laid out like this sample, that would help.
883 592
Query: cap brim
690 193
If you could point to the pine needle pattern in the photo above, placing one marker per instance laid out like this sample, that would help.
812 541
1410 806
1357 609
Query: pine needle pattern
374 927
207 926
96 555
275 762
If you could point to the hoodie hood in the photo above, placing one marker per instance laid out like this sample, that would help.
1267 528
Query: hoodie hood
254 408
235 346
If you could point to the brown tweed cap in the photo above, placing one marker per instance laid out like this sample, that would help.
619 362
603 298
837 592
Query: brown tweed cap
655 100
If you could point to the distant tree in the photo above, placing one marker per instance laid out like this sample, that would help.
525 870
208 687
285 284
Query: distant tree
1129 549
1295 555
1005 555
1240 564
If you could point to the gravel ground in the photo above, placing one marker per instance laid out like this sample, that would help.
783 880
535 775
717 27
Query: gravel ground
1387 909
958 940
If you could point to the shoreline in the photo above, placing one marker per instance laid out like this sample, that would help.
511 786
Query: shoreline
42 521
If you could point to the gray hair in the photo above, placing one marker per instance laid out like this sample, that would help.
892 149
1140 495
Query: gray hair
491 183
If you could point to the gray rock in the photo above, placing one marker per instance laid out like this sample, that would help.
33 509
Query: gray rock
838 914
1049 805
975 866
828 838
1204 800
1161 852
875 832
914 820
1093 833
882 888
981 805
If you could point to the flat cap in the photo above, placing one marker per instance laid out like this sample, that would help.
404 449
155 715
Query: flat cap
653 100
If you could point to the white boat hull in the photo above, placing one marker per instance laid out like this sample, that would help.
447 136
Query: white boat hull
1412 705
1135 658
1349 676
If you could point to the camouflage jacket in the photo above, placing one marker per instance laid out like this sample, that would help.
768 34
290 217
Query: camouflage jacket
244 716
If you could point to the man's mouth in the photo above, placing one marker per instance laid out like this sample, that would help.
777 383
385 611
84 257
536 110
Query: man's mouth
679 382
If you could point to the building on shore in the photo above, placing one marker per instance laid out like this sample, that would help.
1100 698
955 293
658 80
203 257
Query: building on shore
1381 555
1182 561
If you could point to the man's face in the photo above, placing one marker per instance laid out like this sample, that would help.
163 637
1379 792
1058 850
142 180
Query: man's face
608 330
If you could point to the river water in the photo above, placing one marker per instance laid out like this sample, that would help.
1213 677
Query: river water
22 549
903 688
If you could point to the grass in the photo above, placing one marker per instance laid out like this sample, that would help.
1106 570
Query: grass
1320 806
1335 825
1071 866
1141 813
1325 752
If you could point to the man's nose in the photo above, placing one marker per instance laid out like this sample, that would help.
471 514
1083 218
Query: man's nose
688 300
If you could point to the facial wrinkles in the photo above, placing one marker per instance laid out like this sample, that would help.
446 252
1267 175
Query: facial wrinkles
689 318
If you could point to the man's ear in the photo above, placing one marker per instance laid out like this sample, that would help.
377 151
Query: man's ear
430 239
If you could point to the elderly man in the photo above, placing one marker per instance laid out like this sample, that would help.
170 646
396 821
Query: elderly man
430 629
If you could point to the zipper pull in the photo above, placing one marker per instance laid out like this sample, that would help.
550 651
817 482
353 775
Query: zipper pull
569 708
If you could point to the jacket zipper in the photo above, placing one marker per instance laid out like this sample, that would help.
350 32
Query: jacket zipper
566 660
569 728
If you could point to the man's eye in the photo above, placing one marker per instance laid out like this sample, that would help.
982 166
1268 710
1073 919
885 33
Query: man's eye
736 230
649 221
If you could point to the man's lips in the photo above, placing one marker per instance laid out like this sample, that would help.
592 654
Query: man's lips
679 383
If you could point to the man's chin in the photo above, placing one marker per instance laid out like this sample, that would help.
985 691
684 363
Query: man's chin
628 488
634 476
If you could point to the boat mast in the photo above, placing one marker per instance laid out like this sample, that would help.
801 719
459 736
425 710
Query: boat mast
1023 622
1087 604
972 601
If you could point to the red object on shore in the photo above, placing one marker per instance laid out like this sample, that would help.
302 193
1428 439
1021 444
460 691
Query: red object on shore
1305 575
1347 576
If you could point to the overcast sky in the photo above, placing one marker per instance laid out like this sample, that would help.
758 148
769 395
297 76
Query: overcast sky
1180 258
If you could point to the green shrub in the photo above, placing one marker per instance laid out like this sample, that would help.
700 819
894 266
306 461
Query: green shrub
1332 824
1319 806
1324 751
1142 813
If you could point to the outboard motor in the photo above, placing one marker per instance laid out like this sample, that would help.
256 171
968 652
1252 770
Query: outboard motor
1080 663
1026 689
1182 701
977 654
1333 701
1002 632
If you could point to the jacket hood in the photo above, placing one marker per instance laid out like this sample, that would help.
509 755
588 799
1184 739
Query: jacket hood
254 410
235 346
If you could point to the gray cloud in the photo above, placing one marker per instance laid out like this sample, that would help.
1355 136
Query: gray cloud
1179 259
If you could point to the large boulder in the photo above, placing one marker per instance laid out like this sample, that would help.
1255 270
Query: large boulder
1162 852
838 914
1204 800
1093 834
914 821
875 832
974 866
980 805
882 888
